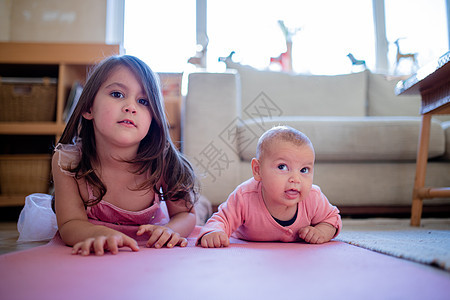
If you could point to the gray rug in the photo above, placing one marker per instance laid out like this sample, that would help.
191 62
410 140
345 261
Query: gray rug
428 244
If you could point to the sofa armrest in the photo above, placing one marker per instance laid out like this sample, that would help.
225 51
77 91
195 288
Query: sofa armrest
210 112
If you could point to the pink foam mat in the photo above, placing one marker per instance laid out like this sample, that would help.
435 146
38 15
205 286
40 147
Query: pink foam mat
245 270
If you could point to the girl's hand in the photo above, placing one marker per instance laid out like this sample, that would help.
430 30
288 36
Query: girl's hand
214 239
319 234
99 244
161 236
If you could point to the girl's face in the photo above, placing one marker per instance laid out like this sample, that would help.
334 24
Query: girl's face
120 112
286 173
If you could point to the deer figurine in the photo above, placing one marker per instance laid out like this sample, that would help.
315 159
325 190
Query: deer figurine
401 56
199 60
285 58
356 62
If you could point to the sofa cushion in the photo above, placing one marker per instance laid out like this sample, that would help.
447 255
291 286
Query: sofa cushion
303 95
382 100
354 138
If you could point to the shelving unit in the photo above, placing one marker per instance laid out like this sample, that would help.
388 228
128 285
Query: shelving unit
66 62
171 90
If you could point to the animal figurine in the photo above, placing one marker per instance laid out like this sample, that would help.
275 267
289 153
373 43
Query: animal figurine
285 58
401 56
228 58
356 62
199 60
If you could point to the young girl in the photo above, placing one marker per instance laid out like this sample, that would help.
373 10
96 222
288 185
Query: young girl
115 162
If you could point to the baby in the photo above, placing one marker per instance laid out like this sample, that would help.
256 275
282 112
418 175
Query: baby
279 203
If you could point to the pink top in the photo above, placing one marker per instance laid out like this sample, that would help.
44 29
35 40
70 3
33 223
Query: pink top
104 212
245 216
107 212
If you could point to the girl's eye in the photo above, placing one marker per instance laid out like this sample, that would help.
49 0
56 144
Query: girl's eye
144 102
117 94
304 170
282 167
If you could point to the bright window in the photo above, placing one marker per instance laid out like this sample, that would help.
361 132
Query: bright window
420 27
329 31
163 33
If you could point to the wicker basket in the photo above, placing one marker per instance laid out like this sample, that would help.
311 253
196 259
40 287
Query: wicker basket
24 174
27 100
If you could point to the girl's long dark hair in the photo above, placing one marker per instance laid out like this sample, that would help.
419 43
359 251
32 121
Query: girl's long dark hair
157 156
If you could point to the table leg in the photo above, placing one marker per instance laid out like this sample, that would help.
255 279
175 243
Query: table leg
421 170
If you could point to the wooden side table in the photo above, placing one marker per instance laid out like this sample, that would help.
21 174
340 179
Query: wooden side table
433 84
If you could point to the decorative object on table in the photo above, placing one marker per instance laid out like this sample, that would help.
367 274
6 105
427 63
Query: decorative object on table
356 62
401 56
285 58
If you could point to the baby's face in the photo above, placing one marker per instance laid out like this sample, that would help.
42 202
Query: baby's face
286 172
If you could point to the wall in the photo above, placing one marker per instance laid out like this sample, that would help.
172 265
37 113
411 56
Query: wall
5 9
53 21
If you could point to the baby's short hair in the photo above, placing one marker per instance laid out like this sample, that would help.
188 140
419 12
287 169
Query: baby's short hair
284 133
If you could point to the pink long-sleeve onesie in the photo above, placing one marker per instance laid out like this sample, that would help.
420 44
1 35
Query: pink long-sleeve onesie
245 216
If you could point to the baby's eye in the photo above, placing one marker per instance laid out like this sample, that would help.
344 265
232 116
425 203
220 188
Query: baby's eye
304 170
117 94
144 102
282 167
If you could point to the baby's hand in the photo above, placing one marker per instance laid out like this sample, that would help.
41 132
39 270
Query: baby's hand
161 236
319 234
214 239
99 244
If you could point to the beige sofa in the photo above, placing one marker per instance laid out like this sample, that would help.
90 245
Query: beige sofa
364 136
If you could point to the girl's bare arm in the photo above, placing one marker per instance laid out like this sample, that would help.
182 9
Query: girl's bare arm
182 219
73 224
